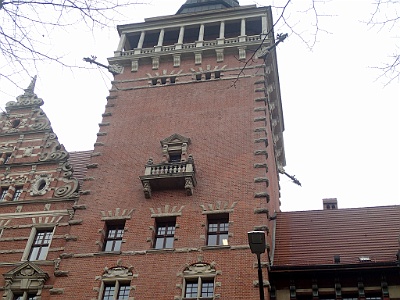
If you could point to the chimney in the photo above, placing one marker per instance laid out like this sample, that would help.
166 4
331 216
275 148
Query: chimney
330 203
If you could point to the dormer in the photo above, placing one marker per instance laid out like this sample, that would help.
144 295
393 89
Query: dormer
175 171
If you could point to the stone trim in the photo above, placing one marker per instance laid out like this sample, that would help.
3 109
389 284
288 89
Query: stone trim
166 211
116 214
218 207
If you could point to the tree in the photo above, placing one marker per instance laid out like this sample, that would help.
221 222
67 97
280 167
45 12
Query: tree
27 28
386 17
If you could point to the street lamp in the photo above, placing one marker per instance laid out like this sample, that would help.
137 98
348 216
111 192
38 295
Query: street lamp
257 246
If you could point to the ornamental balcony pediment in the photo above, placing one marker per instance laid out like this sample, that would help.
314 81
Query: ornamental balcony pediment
176 171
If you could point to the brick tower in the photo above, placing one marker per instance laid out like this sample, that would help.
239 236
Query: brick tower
185 164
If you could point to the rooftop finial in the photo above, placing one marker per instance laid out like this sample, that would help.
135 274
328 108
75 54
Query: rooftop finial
194 6
31 88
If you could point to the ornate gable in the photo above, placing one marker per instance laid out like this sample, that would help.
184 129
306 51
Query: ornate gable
175 139
26 270
27 277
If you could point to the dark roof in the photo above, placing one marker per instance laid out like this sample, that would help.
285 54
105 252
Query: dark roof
79 160
309 238
193 6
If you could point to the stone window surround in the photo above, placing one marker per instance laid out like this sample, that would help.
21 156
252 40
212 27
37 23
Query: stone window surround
32 236
17 283
199 271
116 276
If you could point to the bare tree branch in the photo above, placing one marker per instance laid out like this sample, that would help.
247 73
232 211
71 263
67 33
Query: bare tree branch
27 29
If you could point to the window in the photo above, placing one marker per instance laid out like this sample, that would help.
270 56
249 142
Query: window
113 238
116 283
199 288
17 193
175 156
7 157
116 291
217 230
165 231
3 194
41 244
25 296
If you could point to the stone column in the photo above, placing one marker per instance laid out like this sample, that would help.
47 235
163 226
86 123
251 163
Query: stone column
199 42
180 38
242 37
160 41
121 45
141 39
221 39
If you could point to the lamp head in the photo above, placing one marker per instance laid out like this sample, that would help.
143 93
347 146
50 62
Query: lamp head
256 241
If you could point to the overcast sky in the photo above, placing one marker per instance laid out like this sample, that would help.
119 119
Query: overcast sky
341 122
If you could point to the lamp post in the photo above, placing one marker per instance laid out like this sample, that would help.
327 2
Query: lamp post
257 246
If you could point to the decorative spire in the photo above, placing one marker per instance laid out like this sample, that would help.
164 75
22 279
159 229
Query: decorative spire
193 6
29 98
30 91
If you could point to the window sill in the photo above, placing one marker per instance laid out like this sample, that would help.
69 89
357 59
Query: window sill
160 250
103 253
218 247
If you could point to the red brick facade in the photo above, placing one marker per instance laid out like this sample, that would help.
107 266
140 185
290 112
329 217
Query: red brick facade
218 120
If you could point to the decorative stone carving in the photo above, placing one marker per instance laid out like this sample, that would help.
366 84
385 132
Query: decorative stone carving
146 189
189 186
218 207
116 214
26 277
166 211
13 180
115 69
198 58
220 55
135 65
41 122
28 151
29 98
242 53
53 150
40 185
156 62
199 269
177 60
118 272
71 186
69 189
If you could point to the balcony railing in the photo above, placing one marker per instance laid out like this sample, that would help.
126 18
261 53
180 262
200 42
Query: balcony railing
175 175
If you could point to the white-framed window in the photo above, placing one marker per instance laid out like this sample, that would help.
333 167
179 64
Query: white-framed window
38 244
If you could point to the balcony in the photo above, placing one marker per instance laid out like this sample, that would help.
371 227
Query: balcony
167 176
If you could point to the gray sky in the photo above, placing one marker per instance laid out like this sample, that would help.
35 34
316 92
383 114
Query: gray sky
342 123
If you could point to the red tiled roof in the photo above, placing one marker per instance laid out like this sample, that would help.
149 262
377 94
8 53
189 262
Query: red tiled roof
79 160
309 238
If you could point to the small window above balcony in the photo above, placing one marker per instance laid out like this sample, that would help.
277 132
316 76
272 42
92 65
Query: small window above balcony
175 171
